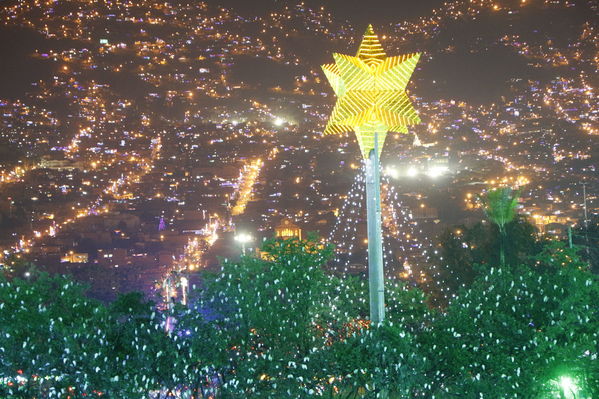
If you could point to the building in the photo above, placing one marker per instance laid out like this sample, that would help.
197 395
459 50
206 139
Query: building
74 257
287 229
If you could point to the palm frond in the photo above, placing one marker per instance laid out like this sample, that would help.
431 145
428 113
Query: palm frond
500 205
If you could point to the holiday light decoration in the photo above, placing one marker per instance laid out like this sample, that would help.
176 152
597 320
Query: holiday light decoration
371 102
371 93
406 248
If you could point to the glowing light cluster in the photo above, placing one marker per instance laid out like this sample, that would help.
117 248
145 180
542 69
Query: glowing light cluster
371 93
15 174
405 245
247 178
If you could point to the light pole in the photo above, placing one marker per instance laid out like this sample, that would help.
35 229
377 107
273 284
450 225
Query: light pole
169 303
184 288
243 238
371 102
586 217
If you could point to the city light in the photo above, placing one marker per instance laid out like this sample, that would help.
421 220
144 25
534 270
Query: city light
437 171
392 171
412 171
247 178
243 238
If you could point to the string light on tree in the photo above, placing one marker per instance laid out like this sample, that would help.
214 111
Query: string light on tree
406 247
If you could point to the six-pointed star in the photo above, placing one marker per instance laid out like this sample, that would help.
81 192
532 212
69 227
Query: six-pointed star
371 93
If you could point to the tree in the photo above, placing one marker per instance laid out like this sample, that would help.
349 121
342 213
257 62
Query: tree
263 327
273 311
586 237
15 265
204 355
518 330
462 248
379 362
141 355
286 322
282 326
366 361
49 336
500 206
56 342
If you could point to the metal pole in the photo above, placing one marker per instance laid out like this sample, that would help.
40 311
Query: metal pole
586 218
569 236
375 243
584 199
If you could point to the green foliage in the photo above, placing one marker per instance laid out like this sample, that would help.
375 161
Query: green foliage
462 249
377 362
45 333
586 238
500 205
273 313
285 319
517 328
55 341
282 327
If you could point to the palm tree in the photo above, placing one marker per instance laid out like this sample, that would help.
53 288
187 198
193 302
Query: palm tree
500 207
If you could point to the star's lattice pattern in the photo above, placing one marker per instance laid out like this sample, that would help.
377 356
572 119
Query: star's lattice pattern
371 93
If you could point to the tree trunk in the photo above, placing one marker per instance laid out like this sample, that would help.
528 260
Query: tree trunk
502 246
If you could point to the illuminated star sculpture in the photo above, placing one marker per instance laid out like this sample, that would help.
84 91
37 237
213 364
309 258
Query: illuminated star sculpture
371 102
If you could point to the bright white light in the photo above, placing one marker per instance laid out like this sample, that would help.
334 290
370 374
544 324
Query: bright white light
279 121
436 171
412 171
391 171
243 237
568 387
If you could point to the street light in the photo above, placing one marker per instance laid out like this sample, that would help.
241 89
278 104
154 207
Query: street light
184 287
412 171
243 238
392 171
436 171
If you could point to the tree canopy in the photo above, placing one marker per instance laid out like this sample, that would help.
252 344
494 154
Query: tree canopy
282 325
